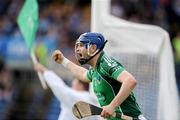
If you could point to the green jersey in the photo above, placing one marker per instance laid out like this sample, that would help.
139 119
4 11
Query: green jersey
106 86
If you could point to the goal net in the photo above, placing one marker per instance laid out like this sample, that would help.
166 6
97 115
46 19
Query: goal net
145 51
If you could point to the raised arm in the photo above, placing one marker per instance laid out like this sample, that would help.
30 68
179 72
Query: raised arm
77 71
64 93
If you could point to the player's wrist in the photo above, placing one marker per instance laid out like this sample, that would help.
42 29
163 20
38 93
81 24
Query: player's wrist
65 62
113 106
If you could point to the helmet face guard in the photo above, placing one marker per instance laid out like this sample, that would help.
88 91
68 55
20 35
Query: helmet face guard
89 39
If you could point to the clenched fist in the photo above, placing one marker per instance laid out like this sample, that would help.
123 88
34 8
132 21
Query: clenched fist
58 56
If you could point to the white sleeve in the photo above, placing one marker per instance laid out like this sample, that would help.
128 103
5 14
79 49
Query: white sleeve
64 93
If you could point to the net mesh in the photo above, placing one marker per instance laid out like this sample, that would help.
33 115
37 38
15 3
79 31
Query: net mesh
145 68
145 51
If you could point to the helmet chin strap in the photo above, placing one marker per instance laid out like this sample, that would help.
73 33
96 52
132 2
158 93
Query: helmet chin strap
83 61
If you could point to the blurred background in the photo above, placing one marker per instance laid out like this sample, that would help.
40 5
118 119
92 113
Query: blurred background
61 23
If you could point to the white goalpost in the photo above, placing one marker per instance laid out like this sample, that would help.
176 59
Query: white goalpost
146 52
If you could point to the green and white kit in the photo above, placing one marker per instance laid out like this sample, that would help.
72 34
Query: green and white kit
106 86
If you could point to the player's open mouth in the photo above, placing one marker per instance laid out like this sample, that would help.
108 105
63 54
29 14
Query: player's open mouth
80 54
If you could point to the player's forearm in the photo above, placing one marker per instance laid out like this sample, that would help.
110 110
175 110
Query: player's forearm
127 86
76 70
